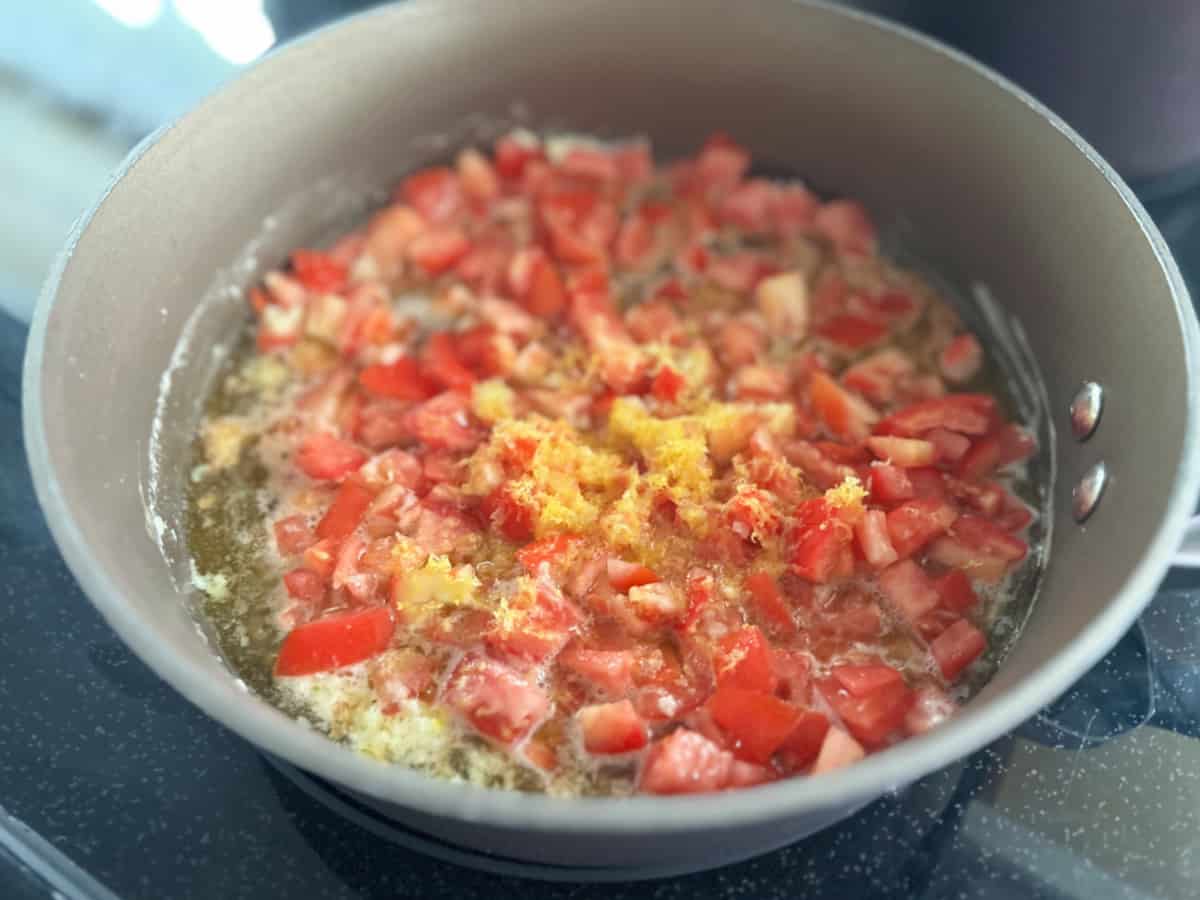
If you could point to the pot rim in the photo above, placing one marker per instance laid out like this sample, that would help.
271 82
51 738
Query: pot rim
228 702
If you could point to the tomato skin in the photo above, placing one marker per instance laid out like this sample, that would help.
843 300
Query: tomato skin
326 458
346 511
969 414
800 748
957 647
610 728
743 659
756 722
335 641
402 380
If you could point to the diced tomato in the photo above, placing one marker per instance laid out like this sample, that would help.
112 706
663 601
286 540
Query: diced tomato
346 511
852 332
719 166
399 675
700 587
935 622
497 700
736 272
547 550
951 552
438 250
961 359
743 659
904 452
989 539
510 517
442 363
872 716
610 672
931 708
913 524
757 722
401 379
846 415
326 458
304 584
546 296
293 535
624 575
589 163
838 750
684 762
444 423
861 622
874 540
950 445
792 669
335 641
847 225
748 206
890 484
279 327
667 385
955 590
612 728
801 747
513 153
321 557
792 208
820 540
877 376
1007 445
863 680
964 413
1014 515
433 192
768 602
476 177
957 647
928 484
909 589
319 271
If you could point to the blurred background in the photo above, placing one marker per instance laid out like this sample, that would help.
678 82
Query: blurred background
81 81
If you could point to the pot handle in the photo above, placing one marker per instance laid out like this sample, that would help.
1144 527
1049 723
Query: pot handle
1188 554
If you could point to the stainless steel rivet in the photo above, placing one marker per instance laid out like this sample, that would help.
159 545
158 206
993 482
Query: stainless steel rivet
1086 495
1086 409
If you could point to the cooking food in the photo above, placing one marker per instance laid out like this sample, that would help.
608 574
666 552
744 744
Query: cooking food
570 473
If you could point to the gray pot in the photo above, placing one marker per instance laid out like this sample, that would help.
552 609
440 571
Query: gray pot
992 186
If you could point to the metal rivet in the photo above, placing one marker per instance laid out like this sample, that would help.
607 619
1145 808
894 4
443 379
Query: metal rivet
1086 409
1086 495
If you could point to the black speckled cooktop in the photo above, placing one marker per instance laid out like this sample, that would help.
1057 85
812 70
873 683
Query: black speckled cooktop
112 785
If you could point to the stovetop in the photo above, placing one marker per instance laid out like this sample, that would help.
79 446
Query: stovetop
113 786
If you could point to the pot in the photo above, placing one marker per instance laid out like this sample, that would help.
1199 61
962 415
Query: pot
988 184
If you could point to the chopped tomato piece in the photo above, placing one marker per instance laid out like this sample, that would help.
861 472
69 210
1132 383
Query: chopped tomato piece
909 589
964 413
846 224
546 296
931 708
953 553
684 762
438 250
610 672
304 584
877 376
957 647
801 747
346 511
852 332
497 700
743 659
399 675
838 750
874 540
321 557
444 423
890 484
769 603
433 192
757 723
862 680
845 415
913 524
961 359
511 517
820 541
319 271
904 452
667 385
513 153
442 363
625 575
612 728
477 177
955 590
589 162
547 550
293 535
401 379
950 445
1007 445
989 539
326 458
335 641
872 717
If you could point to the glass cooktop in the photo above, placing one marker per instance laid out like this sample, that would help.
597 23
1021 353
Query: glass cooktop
113 786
